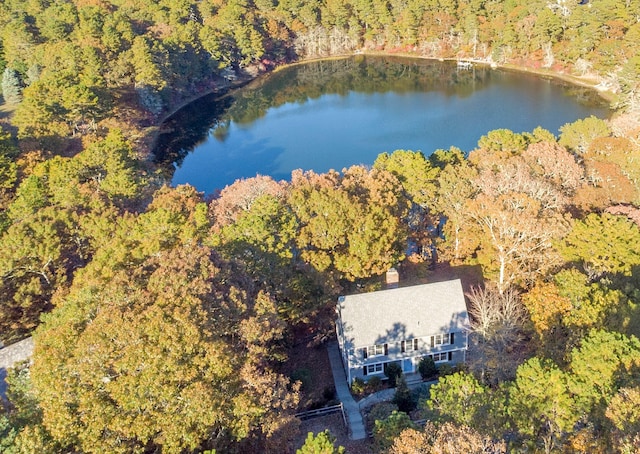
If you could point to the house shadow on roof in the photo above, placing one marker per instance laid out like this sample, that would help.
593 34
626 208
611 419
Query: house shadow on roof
409 312
397 333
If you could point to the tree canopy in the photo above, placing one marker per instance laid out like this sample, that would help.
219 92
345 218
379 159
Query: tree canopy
148 301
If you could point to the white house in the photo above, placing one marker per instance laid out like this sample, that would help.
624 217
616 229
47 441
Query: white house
402 325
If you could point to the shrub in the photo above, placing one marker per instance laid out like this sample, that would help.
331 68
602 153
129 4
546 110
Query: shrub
445 369
357 386
427 368
403 398
379 412
323 443
421 393
387 430
393 371
373 385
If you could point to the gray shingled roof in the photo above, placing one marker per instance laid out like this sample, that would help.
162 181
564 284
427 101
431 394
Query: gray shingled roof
403 313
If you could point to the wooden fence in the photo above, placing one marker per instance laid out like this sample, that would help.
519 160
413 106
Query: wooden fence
303 416
319 412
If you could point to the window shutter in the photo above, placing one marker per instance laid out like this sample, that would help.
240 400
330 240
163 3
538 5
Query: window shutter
364 371
415 344
451 338
364 352
433 341
402 348
386 349
449 356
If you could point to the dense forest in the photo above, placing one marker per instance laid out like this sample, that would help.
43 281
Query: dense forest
162 318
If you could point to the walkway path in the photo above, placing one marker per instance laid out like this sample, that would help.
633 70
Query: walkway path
10 355
386 395
351 408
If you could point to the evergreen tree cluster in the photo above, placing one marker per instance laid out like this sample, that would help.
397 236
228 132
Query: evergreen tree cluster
63 58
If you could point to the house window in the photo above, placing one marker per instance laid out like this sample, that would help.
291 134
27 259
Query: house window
440 357
410 345
440 339
375 368
375 350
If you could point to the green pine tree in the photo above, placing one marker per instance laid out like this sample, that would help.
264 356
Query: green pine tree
11 86
402 398
323 443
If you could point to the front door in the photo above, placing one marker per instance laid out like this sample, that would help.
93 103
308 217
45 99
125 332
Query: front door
407 366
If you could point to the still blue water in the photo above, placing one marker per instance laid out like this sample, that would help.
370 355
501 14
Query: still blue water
349 111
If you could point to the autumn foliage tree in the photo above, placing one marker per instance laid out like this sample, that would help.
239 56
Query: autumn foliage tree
151 296
157 340
240 196
525 185
414 171
148 321
516 232
603 244
546 308
445 438
578 135
622 411
254 224
349 223
455 185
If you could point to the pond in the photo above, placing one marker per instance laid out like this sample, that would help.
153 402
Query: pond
336 113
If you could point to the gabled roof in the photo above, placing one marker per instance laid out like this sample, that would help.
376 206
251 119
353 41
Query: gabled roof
402 313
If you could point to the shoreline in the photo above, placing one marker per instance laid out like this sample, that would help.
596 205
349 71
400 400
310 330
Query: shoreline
152 133
581 81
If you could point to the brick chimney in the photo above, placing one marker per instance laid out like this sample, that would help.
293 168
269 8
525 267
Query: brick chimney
392 278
